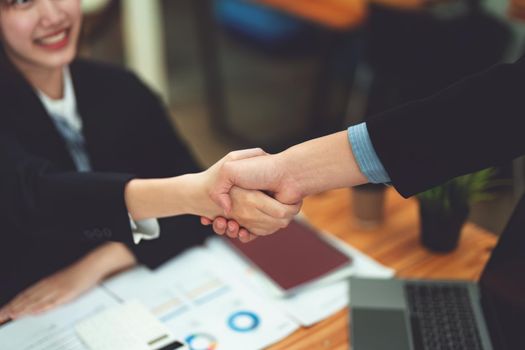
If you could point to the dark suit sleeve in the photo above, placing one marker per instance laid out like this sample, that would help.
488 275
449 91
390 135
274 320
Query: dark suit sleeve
473 124
159 151
177 234
39 199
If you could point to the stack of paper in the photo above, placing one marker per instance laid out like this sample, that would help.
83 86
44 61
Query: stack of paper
309 306
55 329
210 297
201 307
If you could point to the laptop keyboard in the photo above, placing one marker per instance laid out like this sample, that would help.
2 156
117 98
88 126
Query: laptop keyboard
442 317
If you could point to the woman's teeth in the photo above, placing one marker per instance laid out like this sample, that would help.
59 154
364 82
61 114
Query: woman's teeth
53 39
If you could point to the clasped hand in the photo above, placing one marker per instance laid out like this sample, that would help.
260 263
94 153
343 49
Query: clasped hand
236 185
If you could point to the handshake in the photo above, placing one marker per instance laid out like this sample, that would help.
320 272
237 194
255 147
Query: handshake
250 193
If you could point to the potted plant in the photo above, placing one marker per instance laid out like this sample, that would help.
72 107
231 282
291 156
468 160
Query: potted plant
444 209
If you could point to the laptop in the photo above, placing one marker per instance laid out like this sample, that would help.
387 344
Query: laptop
420 315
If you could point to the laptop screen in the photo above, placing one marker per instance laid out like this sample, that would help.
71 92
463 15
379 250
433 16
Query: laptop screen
502 285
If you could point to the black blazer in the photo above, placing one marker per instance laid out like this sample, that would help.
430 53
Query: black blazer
473 124
50 214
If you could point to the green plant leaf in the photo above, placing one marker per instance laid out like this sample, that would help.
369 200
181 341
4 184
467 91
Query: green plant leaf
461 191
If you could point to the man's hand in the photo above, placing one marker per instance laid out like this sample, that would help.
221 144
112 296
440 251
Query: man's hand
311 167
262 172
266 172
256 212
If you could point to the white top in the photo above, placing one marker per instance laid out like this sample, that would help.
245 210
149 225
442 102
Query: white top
66 110
66 107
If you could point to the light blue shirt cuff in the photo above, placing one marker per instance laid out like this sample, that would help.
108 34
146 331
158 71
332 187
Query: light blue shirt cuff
365 154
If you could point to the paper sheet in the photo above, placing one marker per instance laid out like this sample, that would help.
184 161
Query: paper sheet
310 305
209 297
202 308
54 329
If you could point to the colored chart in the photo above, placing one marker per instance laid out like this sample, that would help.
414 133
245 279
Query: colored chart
201 341
243 321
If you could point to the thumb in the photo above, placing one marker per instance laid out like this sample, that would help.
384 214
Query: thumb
289 195
226 177
220 193
225 202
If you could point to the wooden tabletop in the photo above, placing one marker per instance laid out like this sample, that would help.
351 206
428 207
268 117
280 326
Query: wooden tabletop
395 244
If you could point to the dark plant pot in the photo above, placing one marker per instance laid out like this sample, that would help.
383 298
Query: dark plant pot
440 229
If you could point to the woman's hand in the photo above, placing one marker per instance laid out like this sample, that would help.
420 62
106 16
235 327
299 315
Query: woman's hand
231 228
255 210
70 282
259 213
50 292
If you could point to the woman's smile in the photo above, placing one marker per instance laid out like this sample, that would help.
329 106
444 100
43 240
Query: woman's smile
41 36
54 41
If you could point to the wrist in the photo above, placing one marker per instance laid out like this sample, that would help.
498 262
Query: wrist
320 164
292 180
92 270
197 200
185 189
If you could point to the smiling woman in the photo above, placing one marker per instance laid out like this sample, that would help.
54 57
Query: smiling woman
88 156
40 37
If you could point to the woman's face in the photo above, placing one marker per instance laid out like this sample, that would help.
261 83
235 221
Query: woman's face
40 33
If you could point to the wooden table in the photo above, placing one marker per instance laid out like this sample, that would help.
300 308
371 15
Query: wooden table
394 244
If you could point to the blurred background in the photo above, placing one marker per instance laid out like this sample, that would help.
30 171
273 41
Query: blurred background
271 73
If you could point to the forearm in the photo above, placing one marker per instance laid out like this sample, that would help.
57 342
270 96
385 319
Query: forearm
106 260
157 198
471 125
322 164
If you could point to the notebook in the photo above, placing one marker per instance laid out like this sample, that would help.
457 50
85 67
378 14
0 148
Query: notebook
294 257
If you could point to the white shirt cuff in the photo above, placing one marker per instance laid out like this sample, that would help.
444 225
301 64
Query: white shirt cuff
144 229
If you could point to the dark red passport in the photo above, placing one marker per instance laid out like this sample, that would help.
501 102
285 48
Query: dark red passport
293 256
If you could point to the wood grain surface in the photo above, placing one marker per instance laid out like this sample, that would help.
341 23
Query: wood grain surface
395 243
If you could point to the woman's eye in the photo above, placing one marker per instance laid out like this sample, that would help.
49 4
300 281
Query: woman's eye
19 2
